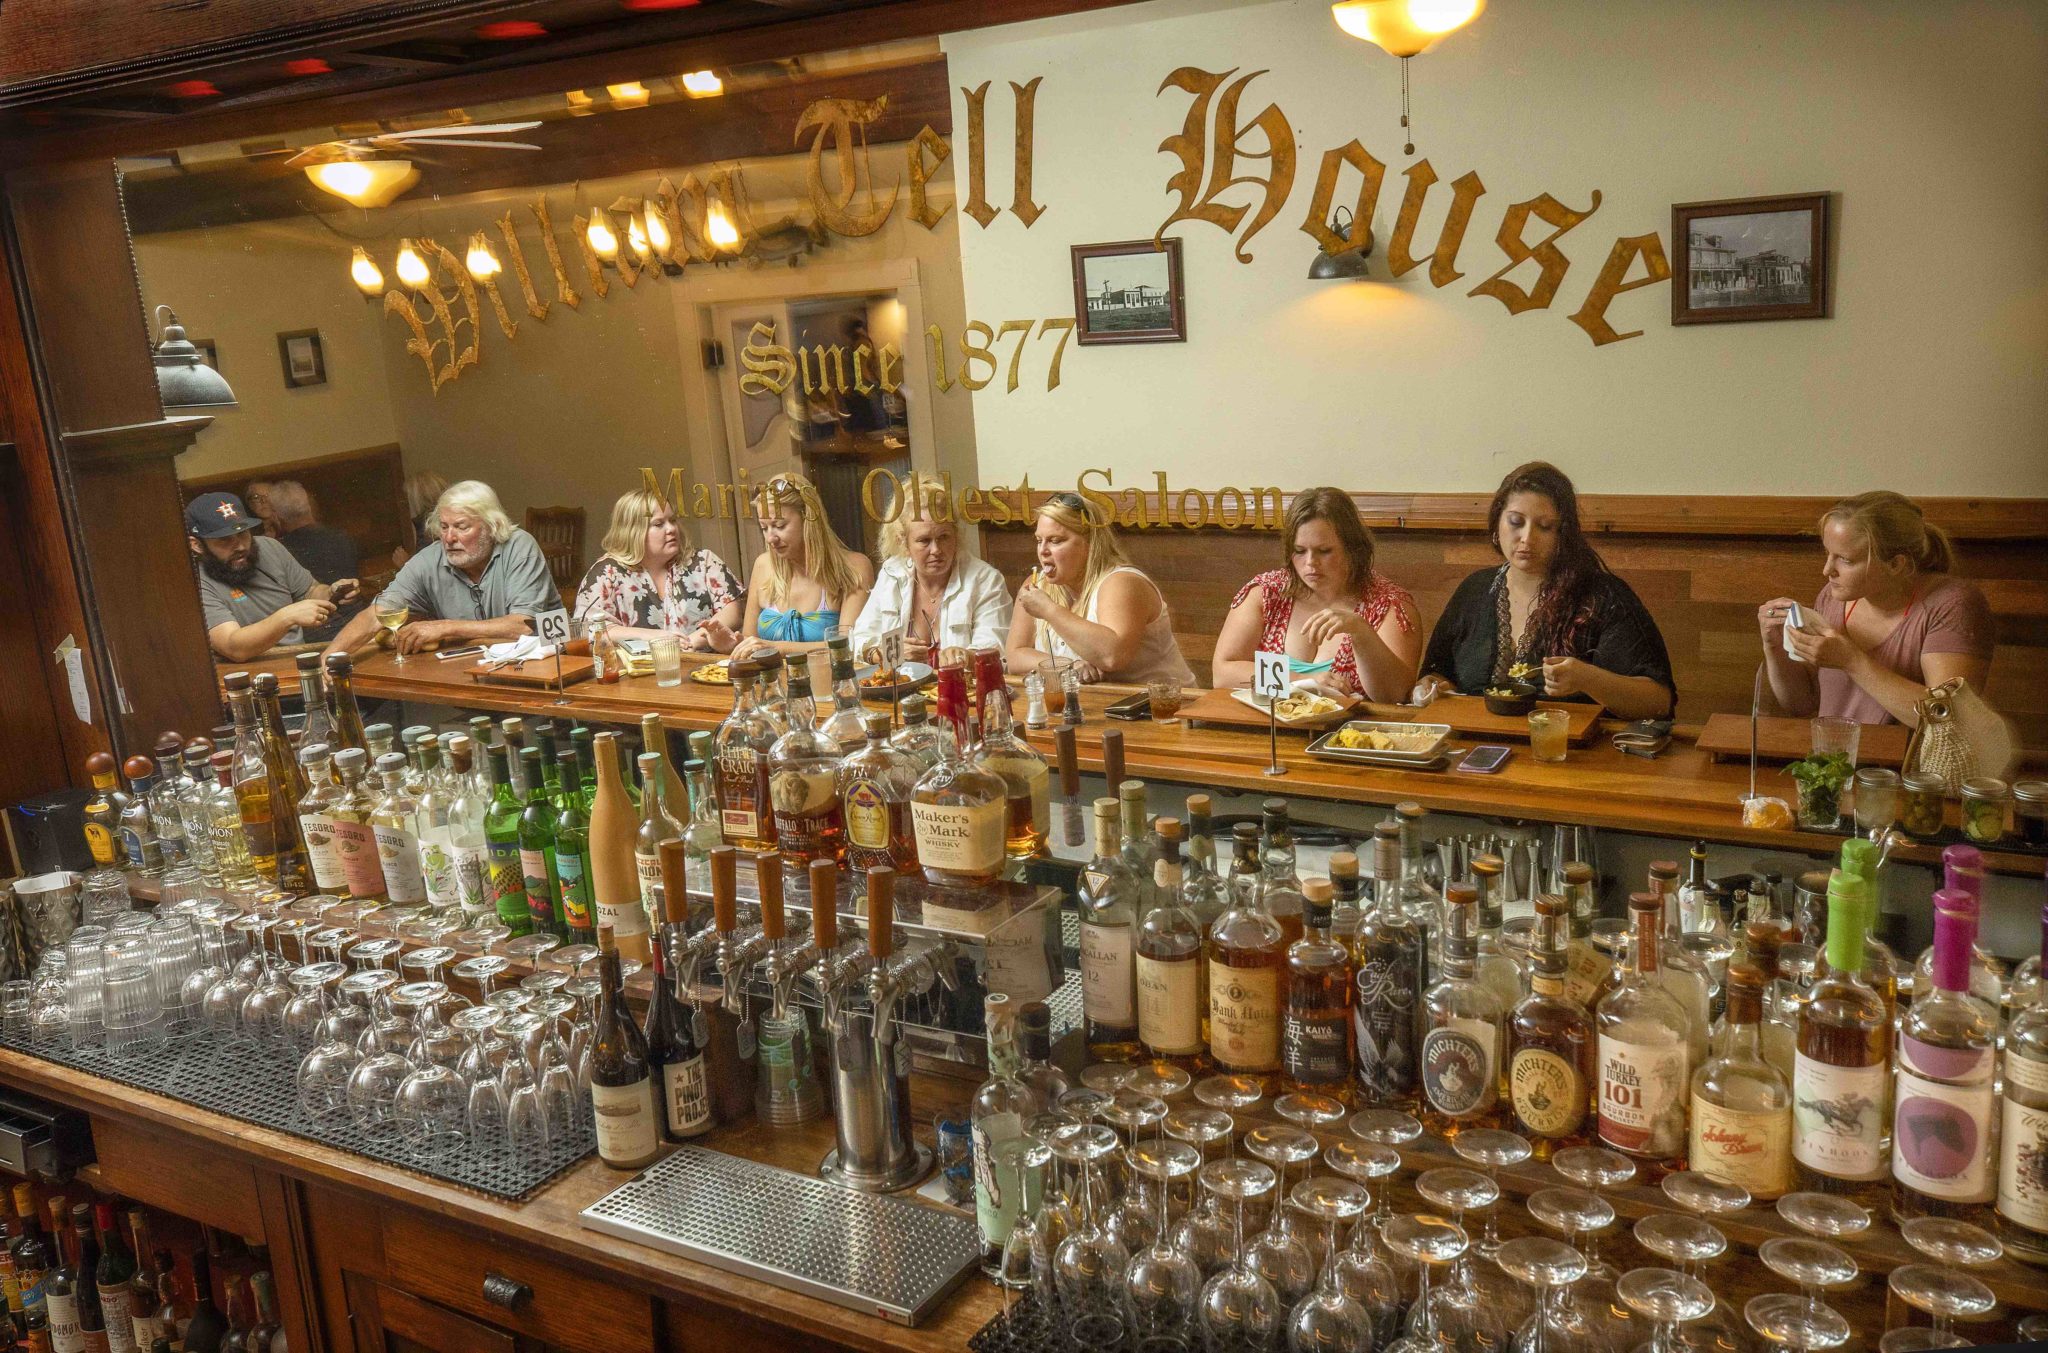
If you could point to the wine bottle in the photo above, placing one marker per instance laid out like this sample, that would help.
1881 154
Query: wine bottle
60 1286
537 846
658 823
85 1263
621 1087
614 873
31 1253
504 870
675 1035
572 855
207 1328
112 1276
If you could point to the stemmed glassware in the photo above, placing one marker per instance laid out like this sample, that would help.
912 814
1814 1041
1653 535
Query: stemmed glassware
526 1116
1667 1297
313 987
1136 1117
432 1103
480 969
1088 1267
1161 1080
1802 1321
1390 1128
1106 1078
1587 1301
1491 1148
1203 1232
1329 1320
1366 1272
1426 1242
1547 1265
1240 1309
1488 1306
1286 1259
1689 1242
557 1064
1310 1110
480 1069
1233 1093
1941 1289
1595 1168
1164 1281
1027 1254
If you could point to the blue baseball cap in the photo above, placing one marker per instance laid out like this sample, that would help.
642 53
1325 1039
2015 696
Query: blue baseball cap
216 516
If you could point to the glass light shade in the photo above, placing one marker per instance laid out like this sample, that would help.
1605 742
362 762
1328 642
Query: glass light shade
1404 27
631 94
604 242
703 84
481 262
364 272
718 227
183 381
364 183
412 269
657 230
636 239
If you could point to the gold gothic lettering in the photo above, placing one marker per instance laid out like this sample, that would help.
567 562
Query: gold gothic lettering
1191 148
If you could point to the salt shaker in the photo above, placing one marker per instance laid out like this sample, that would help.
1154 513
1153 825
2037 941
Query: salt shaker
1034 701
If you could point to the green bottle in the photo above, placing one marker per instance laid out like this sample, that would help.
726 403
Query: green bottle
585 743
507 880
572 855
537 846
543 740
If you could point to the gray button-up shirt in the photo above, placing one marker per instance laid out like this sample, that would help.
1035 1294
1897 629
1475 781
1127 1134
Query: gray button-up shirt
516 581
277 581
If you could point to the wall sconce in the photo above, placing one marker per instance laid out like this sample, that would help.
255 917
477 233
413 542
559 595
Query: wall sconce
483 265
719 229
183 381
1345 264
364 272
604 241
412 269
364 183
580 103
631 94
658 237
636 240
703 84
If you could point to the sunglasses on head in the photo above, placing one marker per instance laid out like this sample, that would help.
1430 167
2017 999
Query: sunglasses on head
1068 499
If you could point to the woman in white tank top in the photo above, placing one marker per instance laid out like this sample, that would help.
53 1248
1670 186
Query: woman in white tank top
1088 602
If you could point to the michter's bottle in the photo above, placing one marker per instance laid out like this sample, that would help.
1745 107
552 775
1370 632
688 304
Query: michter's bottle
1464 1025
1944 1121
1842 1072
1387 954
1645 1057
1109 926
1551 1046
2023 1139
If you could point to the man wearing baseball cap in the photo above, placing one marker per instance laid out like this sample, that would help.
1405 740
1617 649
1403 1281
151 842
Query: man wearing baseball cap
254 594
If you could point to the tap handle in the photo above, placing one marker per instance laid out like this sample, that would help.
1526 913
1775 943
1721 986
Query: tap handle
881 912
1064 739
768 875
675 887
725 907
825 905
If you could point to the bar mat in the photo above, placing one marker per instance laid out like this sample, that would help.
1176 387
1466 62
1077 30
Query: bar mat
256 1086
1031 1326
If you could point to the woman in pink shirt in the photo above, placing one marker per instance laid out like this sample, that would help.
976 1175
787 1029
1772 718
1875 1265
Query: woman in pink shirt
1889 623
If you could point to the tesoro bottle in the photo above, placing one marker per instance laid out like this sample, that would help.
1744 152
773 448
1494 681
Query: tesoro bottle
621 1083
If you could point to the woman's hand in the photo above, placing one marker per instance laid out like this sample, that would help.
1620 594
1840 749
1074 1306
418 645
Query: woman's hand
1035 601
1088 672
1564 676
1331 685
750 644
1821 644
1329 623
1770 619
698 640
716 635
916 650
950 657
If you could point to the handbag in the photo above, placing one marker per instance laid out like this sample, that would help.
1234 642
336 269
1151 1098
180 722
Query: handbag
1959 737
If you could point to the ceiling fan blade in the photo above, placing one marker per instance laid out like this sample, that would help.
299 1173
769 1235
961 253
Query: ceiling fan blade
459 129
467 145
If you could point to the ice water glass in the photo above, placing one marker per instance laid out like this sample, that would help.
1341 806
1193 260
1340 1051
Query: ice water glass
82 953
131 1007
667 652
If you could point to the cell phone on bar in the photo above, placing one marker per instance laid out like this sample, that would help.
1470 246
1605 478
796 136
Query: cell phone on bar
470 652
1132 707
1485 760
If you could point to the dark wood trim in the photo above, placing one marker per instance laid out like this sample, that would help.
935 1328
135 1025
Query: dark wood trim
103 448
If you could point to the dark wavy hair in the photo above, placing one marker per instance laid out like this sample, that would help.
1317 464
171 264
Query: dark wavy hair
1565 601
1335 507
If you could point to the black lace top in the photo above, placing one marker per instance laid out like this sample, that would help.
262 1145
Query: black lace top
1472 644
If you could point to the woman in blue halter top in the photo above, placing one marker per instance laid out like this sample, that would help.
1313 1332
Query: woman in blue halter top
806 582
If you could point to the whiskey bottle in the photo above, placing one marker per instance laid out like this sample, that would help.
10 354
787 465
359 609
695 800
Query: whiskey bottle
316 820
616 896
1645 1052
2023 1131
874 784
745 810
505 874
846 730
1589 974
1463 1029
317 720
1279 879
1247 955
1841 1076
342 710
957 807
621 1084
394 822
1388 955
257 796
289 786
1202 887
1882 967
1681 971
1201 837
803 768
1944 1119
675 1036
573 873
659 822
537 848
138 825
1315 1036
1741 1129
1027 781
1140 846
1778 1034
917 738
1552 1051
1108 934
1497 968
1173 998
1347 891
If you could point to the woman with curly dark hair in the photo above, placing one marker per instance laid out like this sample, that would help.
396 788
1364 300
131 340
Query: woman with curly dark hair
1551 604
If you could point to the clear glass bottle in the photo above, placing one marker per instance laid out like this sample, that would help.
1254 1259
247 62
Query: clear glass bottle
874 785
1279 877
1315 1033
394 820
138 823
163 800
1109 901
1004 1189
1841 1077
657 824
746 812
1173 996
1645 1051
1497 968
318 724
431 811
1139 848
1552 1051
1027 783
703 834
1882 966
1962 868
1741 1128
1945 1109
409 743
957 807
1247 958
291 875
224 818
1681 971
466 842
1034 1043
192 816
316 820
341 703
803 786
1589 974
1463 1029
257 792
1389 961
846 729
917 739
2023 1130
1412 890
1202 841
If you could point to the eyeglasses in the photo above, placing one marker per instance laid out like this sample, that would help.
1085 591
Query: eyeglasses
1068 499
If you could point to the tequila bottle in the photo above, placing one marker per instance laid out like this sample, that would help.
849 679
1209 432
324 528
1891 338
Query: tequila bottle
318 725
103 812
138 824
436 799
1464 1027
1110 897
224 823
466 843
316 820
192 816
355 836
163 800
1645 1051
395 821
258 793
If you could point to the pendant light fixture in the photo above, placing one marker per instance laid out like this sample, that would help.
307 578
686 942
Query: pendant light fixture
364 272
183 380
1344 264
364 183
1404 28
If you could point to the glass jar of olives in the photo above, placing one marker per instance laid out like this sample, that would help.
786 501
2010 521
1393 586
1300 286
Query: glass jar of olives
2030 811
1921 802
1985 801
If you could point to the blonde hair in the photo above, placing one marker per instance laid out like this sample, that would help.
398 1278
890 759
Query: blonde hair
626 538
1891 525
923 499
1105 551
423 489
479 500
825 555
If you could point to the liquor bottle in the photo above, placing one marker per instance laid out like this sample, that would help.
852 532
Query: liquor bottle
1962 868
803 767
1027 782
1247 958
1108 935
917 738
394 824
256 789
1201 834
223 810
675 1036
1003 1188
1140 846
505 871
1173 997
277 741
288 786
163 800
463 837
1681 971
621 1084
1589 974
702 835
415 777
316 819
1279 881
846 729
1315 1035
1497 968
193 783
1389 958
1741 1130
2023 1132
957 807
572 859
317 722
1841 1077
544 740
32 1253
1464 1025
112 1277
874 784
93 1332
143 1297
512 733
658 823
342 710
745 810
266 1334
788 1092
1552 1047
1944 1120
379 739
208 1328
60 1285
1347 893
167 1297
10 1327
103 812
1034 1045
584 741
537 847
138 828
654 742
433 802
615 872
1778 1033
1882 966
1645 1051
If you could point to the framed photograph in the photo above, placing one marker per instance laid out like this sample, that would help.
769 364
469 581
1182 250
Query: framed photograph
1129 292
1751 258
209 352
305 361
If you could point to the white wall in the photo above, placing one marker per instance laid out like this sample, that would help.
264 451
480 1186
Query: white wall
1926 119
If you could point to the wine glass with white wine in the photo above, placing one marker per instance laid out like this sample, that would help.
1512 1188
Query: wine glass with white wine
391 618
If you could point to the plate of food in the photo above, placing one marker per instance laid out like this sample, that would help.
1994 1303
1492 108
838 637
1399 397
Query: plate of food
1302 707
713 673
1379 742
880 684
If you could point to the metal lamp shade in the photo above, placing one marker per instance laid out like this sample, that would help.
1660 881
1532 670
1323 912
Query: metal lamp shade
1340 266
183 380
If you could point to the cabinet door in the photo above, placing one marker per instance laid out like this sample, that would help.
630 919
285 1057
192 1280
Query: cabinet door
387 1320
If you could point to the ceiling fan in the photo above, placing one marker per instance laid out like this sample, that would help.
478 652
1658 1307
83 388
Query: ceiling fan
355 168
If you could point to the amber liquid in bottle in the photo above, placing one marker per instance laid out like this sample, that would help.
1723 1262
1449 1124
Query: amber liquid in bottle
1247 953
1552 1063
1173 995
1315 1035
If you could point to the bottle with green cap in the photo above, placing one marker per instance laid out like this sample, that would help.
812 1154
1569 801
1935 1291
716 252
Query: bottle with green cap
1841 1093
1881 964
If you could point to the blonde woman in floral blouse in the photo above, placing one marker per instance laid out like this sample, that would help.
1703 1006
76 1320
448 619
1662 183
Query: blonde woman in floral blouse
649 581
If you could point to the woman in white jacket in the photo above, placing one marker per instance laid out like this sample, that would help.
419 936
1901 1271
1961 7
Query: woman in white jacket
941 598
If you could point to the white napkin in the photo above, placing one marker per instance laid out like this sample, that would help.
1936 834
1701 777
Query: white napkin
524 648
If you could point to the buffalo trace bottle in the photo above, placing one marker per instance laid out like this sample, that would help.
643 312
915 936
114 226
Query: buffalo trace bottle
2023 1137
1741 1106
1463 1027
1645 1063
957 807
745 811
1841 1074
1944 1117
803 788
1247 957
1110 896
1173 997
1315 1032
621 1083
1551 1047
874 784
1388 959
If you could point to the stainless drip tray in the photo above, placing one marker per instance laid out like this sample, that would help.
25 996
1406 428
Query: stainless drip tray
876 1254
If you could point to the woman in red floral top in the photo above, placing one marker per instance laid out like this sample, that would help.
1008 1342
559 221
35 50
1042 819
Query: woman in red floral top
649 582
1342 626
